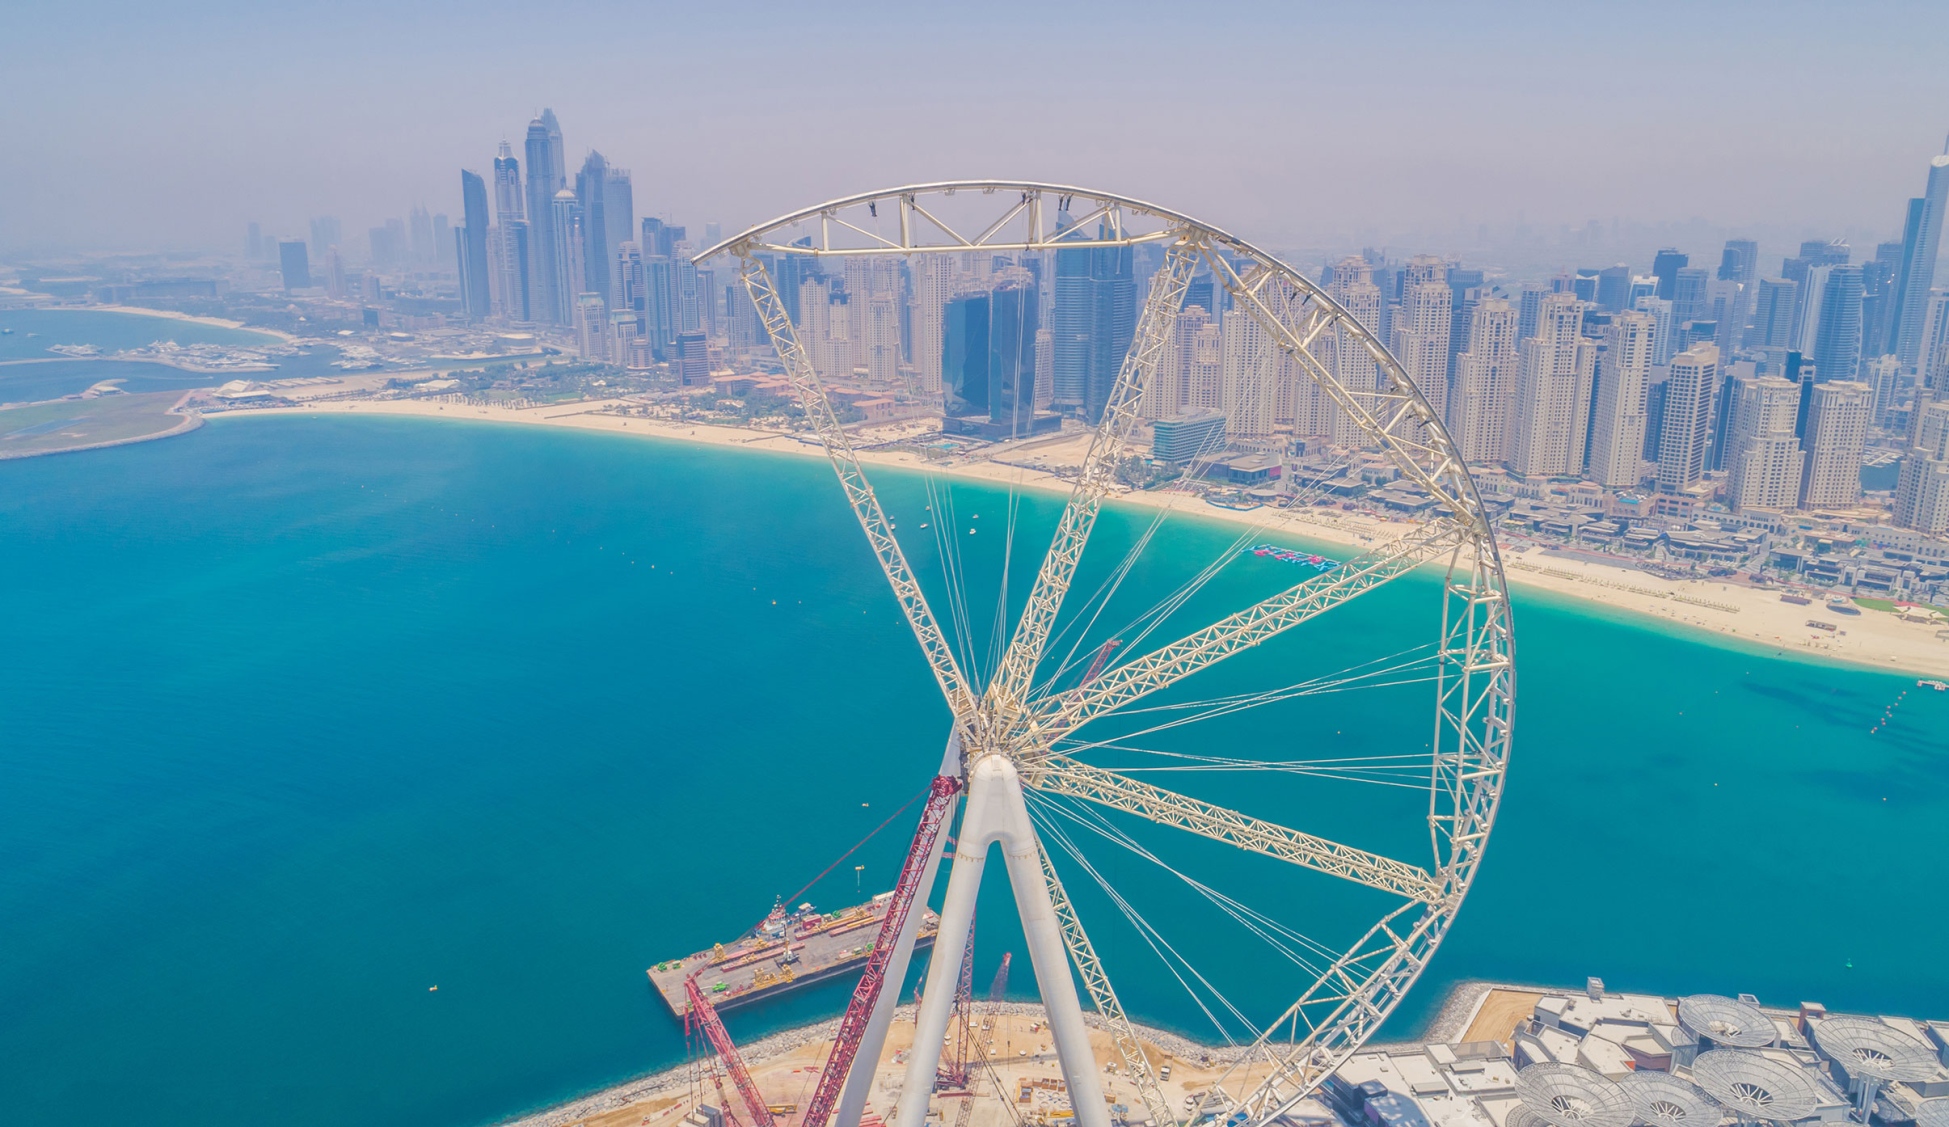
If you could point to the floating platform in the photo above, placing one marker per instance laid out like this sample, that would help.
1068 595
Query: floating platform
789 949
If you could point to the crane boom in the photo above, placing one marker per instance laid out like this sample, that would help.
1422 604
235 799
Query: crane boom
852 1027
705 1015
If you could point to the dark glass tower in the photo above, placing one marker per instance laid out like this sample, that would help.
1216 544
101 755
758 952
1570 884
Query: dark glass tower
471 242
543 149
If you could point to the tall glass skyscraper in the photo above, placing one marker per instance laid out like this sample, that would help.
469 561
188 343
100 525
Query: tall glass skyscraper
472 246
1095 317
543 149
1921 237
1837 342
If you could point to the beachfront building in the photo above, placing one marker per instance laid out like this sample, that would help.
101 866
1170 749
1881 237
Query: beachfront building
1764 457
1836 431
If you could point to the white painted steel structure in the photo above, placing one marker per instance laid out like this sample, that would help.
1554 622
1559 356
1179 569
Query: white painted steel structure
1014 733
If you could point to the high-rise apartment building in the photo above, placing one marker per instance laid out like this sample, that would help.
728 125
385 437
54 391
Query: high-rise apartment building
1764 459
1837 340
293 266
1353 365
1836 431
511 235
1687 418
1922 491
1251 365
570 274
1552 399
933 286
1691 293
1664 330
1665 266
1921 238
546 177
1095 318
1485 377
1773 308
1421 337
471 247
1739 262
1883 375
1624 379
426 252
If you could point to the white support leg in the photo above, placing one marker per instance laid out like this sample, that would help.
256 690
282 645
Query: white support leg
859 1079
944 969
1022 853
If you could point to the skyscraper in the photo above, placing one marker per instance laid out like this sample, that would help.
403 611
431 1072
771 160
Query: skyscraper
1921 237
425 251
592 193
1353 286
1618 429
1837 343
543 149
512 235
471 246
1251 365
1690 294
933 287
1687 418
1485 375
619 225
292 264
1421 338
1922 491
325 235
1837 429
1614 288
1739 262
1070 327
1552 400
1773 315
1665 267
1764 461
1112 324
1664 329
570 274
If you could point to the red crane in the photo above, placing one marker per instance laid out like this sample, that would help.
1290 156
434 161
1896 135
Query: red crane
1102 658
952 1073
852 1027
704 1014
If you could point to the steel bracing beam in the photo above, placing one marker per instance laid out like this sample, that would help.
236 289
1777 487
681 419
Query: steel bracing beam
704 1014
1065 776
1122 684
1008 690
1081 952
859 494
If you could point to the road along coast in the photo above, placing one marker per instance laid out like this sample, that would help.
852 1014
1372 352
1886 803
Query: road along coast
1751 617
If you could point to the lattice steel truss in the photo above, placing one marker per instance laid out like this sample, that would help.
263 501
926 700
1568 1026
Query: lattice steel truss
1011 728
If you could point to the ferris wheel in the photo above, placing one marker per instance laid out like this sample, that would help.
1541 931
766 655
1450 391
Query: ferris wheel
1081 703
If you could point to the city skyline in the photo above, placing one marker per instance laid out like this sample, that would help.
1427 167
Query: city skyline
1492 119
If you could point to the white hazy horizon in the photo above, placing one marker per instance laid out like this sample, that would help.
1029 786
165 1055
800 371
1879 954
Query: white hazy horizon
1449 128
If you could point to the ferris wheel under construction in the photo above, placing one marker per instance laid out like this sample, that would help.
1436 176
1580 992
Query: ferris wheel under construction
1024 763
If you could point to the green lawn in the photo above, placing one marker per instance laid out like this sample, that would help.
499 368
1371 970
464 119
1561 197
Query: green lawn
70 424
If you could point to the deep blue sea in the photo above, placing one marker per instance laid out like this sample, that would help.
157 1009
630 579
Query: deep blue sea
301 716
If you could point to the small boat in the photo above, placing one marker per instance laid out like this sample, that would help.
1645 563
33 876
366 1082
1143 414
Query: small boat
923 525
1938 686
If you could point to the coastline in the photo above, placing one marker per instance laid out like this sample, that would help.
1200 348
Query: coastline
1744 617
173 315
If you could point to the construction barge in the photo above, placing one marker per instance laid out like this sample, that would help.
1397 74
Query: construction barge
787 950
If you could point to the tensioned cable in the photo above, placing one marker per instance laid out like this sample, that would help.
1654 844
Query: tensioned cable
1098 823
1158 944
1094 820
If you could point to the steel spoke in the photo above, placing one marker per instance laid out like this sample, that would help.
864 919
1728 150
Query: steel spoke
1075 779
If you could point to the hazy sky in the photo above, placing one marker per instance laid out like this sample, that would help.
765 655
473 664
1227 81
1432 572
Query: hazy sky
148 126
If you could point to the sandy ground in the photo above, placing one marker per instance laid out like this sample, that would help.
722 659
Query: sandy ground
1753 616
786 1068
170 314
1499 1014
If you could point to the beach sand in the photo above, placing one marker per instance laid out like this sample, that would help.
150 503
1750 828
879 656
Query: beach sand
1751 616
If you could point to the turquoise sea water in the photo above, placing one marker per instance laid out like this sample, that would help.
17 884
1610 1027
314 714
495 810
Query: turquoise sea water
299 717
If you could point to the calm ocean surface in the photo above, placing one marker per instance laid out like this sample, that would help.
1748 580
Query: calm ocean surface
299 717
